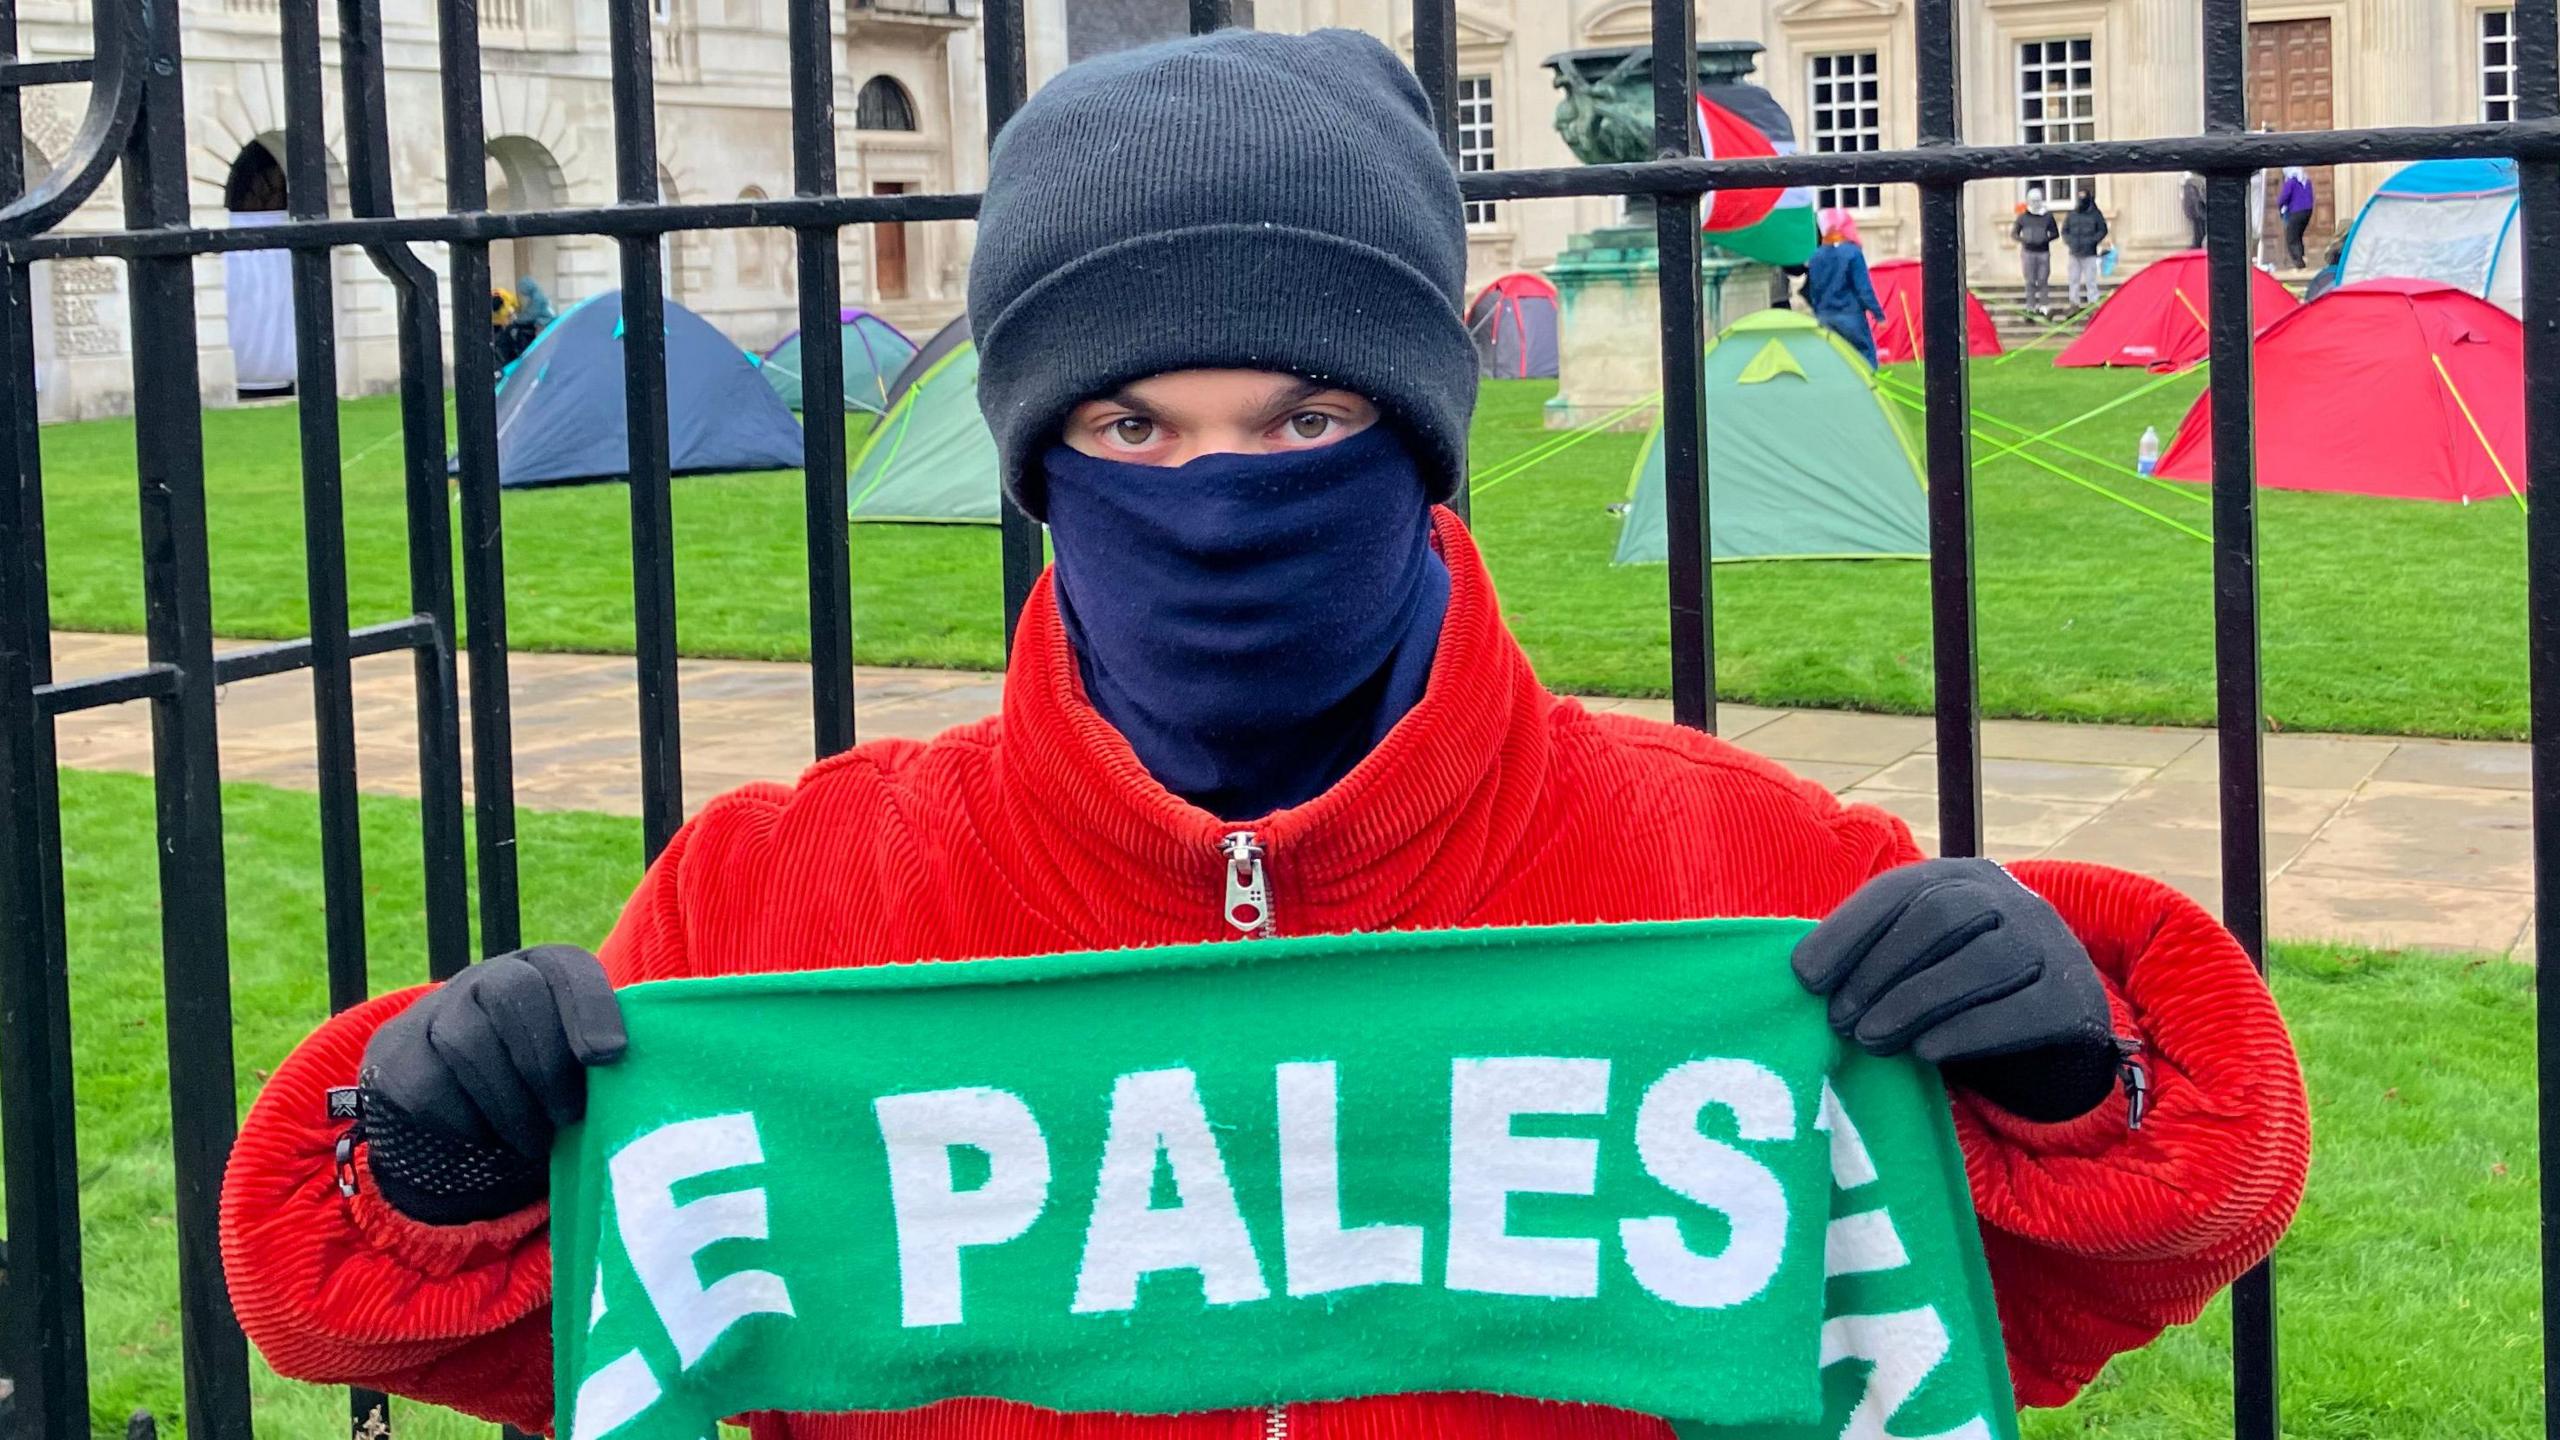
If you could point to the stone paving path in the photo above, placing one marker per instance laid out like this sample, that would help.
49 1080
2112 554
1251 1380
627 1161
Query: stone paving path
2374 840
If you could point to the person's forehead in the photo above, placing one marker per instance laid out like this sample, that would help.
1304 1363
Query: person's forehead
1219 388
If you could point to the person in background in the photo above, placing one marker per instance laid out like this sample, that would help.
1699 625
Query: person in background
2084 234
2294 203
532 306
503 309
2326 278
1836 284
1782 286
2035 233
2191 200
520 320
2258 211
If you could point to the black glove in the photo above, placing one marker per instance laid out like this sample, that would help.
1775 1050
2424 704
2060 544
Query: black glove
1958 963
463 1091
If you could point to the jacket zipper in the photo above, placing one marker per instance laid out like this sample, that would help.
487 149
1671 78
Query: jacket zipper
1248 889
1248 911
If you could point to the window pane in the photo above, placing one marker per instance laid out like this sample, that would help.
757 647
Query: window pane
2497 65
1475 138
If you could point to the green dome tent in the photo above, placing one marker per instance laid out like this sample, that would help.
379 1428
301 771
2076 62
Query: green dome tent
1805 461
931 459
874 351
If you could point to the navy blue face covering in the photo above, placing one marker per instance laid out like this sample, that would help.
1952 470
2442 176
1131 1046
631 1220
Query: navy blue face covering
1253 624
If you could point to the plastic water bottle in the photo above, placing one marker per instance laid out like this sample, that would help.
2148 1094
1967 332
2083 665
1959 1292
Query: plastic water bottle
2147 458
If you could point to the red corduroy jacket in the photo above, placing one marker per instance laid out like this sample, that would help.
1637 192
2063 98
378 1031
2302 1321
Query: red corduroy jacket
1492 803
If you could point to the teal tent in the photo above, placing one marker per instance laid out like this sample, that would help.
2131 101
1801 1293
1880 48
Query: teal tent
874 352
1805 460
931 459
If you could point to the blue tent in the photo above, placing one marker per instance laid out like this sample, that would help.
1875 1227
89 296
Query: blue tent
561 407
2447 220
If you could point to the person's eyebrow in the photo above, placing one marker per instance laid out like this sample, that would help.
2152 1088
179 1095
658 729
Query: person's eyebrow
1125 398
1299 392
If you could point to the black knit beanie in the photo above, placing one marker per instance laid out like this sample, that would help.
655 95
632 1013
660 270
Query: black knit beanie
1234 201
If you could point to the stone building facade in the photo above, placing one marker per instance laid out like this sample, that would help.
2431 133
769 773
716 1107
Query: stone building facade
2033 70
909 97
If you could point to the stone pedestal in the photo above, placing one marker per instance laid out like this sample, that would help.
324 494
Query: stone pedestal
1609 321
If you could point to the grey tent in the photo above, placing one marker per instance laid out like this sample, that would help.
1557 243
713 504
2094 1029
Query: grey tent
561 407
931 459
1513 321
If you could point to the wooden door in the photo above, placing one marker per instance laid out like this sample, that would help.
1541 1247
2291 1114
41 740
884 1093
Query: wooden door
2289 90
889 249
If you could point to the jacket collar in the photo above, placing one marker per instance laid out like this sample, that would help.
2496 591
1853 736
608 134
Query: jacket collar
1412 837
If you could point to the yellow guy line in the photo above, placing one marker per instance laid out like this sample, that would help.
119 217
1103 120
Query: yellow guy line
2476 432
2201 323
1548 450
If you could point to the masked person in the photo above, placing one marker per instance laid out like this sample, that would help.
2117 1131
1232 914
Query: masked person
1217 293
2084 235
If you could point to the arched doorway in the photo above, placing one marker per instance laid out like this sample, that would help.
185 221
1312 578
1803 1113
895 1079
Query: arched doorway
257 285
523 176
884 105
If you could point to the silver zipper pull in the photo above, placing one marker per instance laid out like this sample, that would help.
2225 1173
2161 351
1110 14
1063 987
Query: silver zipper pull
1248 895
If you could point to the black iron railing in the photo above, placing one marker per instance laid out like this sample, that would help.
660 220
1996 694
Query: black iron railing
135 118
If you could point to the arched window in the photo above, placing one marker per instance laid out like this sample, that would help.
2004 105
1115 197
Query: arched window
883 105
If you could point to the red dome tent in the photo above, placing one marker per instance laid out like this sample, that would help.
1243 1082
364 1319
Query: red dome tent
2157 319
1898 334
1513 321
2408 388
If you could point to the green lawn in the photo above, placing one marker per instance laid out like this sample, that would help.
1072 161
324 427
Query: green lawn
2381 616
2408 1291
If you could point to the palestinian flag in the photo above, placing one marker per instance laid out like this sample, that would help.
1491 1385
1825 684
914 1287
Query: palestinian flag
1774 227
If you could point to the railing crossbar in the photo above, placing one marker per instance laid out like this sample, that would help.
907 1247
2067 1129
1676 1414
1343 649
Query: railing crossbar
2528 140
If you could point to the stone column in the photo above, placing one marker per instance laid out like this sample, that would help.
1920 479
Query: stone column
2156 87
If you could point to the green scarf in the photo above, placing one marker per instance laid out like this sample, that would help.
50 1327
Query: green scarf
1625 1165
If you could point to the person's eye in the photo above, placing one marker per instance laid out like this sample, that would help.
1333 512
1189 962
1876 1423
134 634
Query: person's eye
1133 431
1311 425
